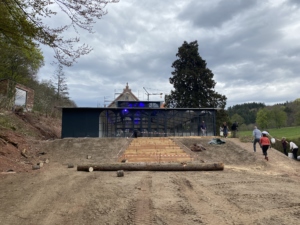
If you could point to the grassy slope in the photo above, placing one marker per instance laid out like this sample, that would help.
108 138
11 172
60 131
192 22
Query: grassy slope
291 133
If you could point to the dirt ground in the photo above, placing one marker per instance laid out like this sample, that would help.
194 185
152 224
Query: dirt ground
249 190
17 131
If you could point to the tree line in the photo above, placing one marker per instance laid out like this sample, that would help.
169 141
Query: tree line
275 116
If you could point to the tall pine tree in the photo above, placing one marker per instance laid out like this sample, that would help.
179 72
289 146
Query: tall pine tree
193 82
60 85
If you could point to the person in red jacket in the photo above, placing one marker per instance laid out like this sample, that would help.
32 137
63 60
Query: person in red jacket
265 144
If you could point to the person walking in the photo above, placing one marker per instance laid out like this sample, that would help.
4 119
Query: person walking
234 129
203 128
294 149
284 145
257 136
265 144
225 129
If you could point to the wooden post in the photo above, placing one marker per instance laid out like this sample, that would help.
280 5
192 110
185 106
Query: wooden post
153 167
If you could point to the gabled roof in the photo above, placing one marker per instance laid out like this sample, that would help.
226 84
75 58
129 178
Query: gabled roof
126 95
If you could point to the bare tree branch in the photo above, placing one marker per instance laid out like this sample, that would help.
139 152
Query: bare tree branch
28 16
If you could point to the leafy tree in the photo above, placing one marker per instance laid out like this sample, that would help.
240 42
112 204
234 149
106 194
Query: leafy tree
244 127
236 117
20 57
297 117
247 111
192 81
20 64
22 22
278 116
45 98
263 118
15 28
291 109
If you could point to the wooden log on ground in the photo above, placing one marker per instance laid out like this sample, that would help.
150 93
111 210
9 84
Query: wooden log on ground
153 167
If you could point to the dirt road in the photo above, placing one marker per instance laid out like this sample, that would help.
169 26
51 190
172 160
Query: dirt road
248 191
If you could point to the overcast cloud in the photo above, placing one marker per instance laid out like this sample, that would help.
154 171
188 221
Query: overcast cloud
251 46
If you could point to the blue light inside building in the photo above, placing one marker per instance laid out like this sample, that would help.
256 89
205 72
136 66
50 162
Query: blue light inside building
141 105
125 111
138 104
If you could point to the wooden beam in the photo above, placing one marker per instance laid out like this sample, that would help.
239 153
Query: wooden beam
153 167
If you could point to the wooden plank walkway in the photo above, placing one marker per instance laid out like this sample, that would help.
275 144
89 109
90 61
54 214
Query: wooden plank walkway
158 149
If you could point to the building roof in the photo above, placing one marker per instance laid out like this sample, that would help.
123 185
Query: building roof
126 95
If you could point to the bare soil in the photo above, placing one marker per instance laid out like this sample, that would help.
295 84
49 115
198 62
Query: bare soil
17 131
250 190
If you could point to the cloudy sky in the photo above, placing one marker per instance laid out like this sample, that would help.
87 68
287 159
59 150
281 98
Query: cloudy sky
251 46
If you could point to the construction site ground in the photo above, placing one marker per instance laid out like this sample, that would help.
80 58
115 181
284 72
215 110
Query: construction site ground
250 190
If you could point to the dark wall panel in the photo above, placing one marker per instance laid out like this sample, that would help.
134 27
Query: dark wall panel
80 123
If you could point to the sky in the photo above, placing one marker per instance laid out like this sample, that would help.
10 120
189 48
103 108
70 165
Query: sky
251 46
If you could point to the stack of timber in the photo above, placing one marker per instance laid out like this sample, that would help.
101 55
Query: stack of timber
154 150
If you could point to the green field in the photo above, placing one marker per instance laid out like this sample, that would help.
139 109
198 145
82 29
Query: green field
291 133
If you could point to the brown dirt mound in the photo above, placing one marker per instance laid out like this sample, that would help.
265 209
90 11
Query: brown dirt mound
17 131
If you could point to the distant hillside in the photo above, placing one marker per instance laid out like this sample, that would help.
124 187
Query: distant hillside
247 110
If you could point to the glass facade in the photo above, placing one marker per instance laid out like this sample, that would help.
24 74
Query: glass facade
127 122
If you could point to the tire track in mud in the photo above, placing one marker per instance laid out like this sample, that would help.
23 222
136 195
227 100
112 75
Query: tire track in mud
277 215
275 205
186 206
254 208
143 206
279 207
169 206
205 202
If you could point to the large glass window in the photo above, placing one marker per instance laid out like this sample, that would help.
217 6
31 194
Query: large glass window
154 122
